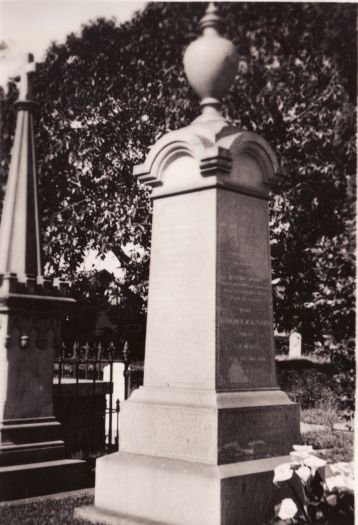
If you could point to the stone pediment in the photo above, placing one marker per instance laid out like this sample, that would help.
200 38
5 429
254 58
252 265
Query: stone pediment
209 154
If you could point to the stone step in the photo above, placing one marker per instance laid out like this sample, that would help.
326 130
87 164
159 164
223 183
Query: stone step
32 432
47 477
15 454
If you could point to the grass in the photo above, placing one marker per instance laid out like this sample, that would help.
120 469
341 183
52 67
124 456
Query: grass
322 415
49 510
337 445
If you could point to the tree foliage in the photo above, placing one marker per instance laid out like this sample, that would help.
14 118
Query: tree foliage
109 93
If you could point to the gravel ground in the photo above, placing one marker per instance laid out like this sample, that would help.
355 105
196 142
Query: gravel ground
55 509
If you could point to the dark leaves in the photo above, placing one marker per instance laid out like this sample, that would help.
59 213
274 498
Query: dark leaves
108 94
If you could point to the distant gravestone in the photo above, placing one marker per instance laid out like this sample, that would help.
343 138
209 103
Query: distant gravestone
118 393
295 345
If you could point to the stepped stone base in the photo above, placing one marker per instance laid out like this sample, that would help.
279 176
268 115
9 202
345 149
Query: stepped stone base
32 460
131 489
209 427
195 457
37 479
31 452
33 440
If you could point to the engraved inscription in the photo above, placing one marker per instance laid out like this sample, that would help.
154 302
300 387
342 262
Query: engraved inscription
256 433
245 328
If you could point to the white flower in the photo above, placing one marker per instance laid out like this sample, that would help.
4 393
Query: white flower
303 448
288 509
304 473
346 469
282 473
314 463
299 455
340 482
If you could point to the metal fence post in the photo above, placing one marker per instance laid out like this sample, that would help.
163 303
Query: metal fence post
126 369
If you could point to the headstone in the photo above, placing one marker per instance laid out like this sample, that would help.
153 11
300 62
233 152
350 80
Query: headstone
200 439
295 345
31 309
118 379
118 393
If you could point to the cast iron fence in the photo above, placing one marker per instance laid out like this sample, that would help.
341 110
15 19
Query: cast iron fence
83 402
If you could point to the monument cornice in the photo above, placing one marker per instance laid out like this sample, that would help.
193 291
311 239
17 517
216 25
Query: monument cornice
219 156
27 299
12 283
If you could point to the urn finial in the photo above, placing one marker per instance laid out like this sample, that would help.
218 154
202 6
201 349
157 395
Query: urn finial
210 63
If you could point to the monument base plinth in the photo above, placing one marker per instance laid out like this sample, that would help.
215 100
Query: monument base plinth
32 460
133 488
205 426
45 477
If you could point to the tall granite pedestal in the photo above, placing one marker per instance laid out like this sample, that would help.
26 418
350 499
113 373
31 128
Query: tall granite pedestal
200 439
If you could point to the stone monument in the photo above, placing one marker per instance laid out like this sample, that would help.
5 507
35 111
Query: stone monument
31 307
199 441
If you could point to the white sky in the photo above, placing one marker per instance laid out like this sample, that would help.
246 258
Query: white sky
29 26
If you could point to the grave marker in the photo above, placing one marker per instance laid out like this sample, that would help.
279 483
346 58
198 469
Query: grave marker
31 308
295 345
200 439
118 382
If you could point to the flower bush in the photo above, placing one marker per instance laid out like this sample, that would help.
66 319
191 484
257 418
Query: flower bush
327 491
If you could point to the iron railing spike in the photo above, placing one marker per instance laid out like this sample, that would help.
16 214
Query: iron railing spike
86 349
91 352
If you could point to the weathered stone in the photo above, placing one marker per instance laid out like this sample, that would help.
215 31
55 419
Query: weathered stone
31 448
200 439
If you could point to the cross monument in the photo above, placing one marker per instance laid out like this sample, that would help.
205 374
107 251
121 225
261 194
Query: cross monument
32 452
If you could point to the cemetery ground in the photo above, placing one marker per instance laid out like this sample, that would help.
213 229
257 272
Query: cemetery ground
321 426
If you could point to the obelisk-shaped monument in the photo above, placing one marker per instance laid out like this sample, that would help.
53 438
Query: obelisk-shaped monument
200 439
31 309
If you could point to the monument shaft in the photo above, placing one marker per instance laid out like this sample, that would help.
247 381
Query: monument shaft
210 291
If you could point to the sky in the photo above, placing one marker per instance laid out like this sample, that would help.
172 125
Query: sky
29 26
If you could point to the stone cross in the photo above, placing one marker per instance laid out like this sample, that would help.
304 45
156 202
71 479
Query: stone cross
31 309
25 78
